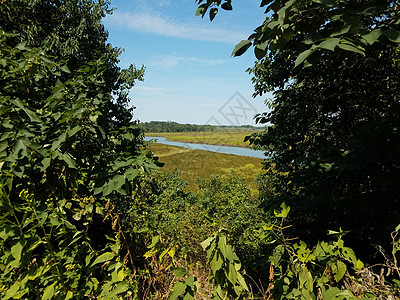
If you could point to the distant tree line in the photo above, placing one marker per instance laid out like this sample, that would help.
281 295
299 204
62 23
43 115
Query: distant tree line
169 126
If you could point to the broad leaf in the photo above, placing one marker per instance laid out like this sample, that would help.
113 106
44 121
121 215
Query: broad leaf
241 48
103 257
373 36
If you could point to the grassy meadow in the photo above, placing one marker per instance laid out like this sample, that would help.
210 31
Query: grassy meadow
202 164
223 137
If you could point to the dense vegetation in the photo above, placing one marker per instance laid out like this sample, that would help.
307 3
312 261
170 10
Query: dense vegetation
195 164
332 138
160 126
84 216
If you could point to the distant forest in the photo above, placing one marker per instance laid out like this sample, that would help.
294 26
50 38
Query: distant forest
161 126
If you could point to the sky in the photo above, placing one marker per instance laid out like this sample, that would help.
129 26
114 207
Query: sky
190 75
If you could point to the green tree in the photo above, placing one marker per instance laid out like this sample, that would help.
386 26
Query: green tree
332 133
72 30
65 174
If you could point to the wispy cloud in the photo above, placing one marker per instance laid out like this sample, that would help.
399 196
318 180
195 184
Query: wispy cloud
169 62
154 23
153 89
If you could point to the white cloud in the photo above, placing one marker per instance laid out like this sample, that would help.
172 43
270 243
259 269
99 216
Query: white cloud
169 62
153 23
153 89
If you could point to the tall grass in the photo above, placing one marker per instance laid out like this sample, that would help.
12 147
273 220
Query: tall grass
227 138
196 164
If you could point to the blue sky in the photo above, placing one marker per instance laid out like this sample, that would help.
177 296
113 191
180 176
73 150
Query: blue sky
190 74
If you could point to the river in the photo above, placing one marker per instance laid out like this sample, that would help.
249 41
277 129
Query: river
212 148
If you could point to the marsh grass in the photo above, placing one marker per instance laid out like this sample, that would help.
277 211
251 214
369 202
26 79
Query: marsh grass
226 138
196 164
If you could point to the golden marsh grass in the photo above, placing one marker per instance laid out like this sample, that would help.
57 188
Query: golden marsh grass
196 164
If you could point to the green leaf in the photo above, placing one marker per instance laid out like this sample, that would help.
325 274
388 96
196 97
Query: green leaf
241 48
32 116
329 44
359 264
56 144
339 269
340 31
349 254
190 281
16 291
65 69
154 241
68 159
306 279
49 292
103 257
21 46
227 6
392 35
373 36
45 163
180 272
277 254
131 174
313 39
213 13
216 262
206 243
225 249
303 56
259 53
188 296
114 184
120 288
232 274
288 34
331 293
201 10
20 149
284 212
327 3
265 2
16 251
351 48
179 289
72 131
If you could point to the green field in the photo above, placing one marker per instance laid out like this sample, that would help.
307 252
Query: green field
202 164
226 138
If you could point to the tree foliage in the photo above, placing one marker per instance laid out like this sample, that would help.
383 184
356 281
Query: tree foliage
72 31
161 126
332 128
64 173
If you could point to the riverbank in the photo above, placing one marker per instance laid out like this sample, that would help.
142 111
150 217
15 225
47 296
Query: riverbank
239 151
218 138
195 164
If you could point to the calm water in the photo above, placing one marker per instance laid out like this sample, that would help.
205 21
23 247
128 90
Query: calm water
213 148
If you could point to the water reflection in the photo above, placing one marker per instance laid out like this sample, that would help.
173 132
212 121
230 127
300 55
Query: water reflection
212 148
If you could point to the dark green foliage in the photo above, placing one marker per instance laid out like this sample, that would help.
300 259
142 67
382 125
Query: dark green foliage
178 216
72 31
185 219
60 166
333 144
332 129
159 126
309 28
329 270
56 145
44 255
225 266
